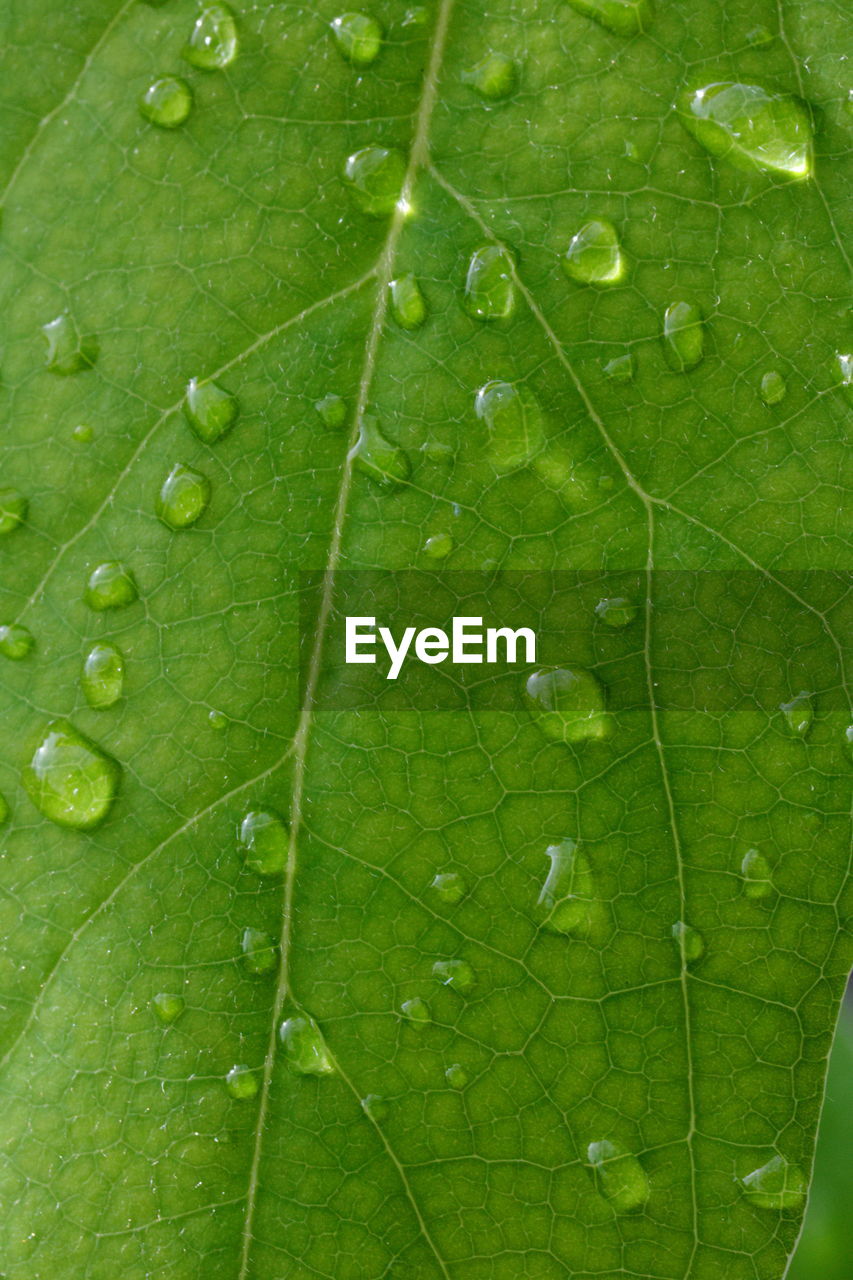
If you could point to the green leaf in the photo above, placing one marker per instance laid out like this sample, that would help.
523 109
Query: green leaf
397 1057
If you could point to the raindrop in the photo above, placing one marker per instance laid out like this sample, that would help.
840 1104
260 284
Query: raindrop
620 368
594 255
70 779
168 1007
683 336
103 676
16 641
209 409
844 373
514 421
616 611
619 1176
166 102
241 1082
265 842
757 877
260 954
213 41
799 713
773 387
217 720
82 433
67 351
332 409
750 126
376 456
759 37
407 302
457 974
490 284
568 704
690 943
376 1107
375 176
358 37
494 77
776 1185
568 901
449 887
110 586
416 17
439 546
13 510
416 1012
183 497
456 1076
304 1047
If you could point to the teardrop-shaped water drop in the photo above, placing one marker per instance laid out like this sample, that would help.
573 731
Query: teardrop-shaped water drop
750 126
332 410
568 704
416 1012
773 387
616 611
70 779
622 17
209 409
799 713
305 1050
457 974
449 887
168 1006
241 1082
515 424
620 368
376 1107
183 498
358 37
757 876
683 336
260 953
568 902
408 306
494 77
375 176
490 283
377 457
13 510
619 1176
776 1185
213 41
110 586
68 352
456 1076
594 255
689 941
166 102
102 680
265 842
16 641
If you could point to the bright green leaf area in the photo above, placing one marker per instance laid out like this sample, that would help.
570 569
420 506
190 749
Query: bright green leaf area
229 249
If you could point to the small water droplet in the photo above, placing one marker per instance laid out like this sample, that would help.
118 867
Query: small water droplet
456 1076
167 1006
568 903
67 351
358 37
621 368
494 77
622 17
265 842
183 498
799 713
689 941
773 387
4 809
776 1185
759 37
213 40
594 255
16 641
13 510
70 779
217 720
377 457
304 1047
439 546
416 1012
457 974
408 306
449 887
375 176
619 1176
376 1107
757 876
416 17
514 421
102 680
568 704
332 409
241 1082
616 611
209 409
166 102
260 954
844 373
683 336
490 283
750 126
111 586
82 433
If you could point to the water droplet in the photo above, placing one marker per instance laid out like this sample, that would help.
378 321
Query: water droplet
494 77
241 1082
70 779
683 336
375 1107
750 126
110 586
16 641
332 409
773 387
183 497
594 255
457 974
799 713
776 1185
213 41
377 457
755 868
449 887
620 368
456 1076
265 842
209 409
622 17
514 421
82 433
260 954
304 1047
690 943
168 1007
759 37
166 102
439 546
358 37
490 283
568 704
13 510
616 611
416 17
619 1176
848 738
568 902
416 1012
217 720
67 351
407 302
103 676
844 373
4 809
375 176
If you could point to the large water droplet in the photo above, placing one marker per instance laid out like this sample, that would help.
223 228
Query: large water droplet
757 876
619 1176
183 497
490 283
67 351
457 974
515 424
456 1076
689 941
358 37
13 510
376 456
209 409
594 255
408 306
773 387
568 903
449 887
213 40
375 176
799 713
616 611
166 102
167 1006
265 842
16 641
376 1107
750 126
305 1049
241 1082
260 954
683 336
111 586
416 1012
568 704
103 676
70 779
332 409
494 77
776 1185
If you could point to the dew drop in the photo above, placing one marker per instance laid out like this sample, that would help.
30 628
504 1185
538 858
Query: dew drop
358 37
408 306
759 37
376 1107
416 1012
620 368
103 676
13 510
757 877
241 1082
514 421
304 1047
457 974
449 887
16 641
616 611
773 387
776 1185
844 373
183 498
332 410
568 704
416 17
619 1176
375 176
265 841
167 1006
594 255
494 77
213 40
377 457
683 336
622 17
67 351
689 941
456 1076
568 903
490 284
166 102
799 713
82 433
110 586
70 779
749 126
217 720
209 409
439 546
260 954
